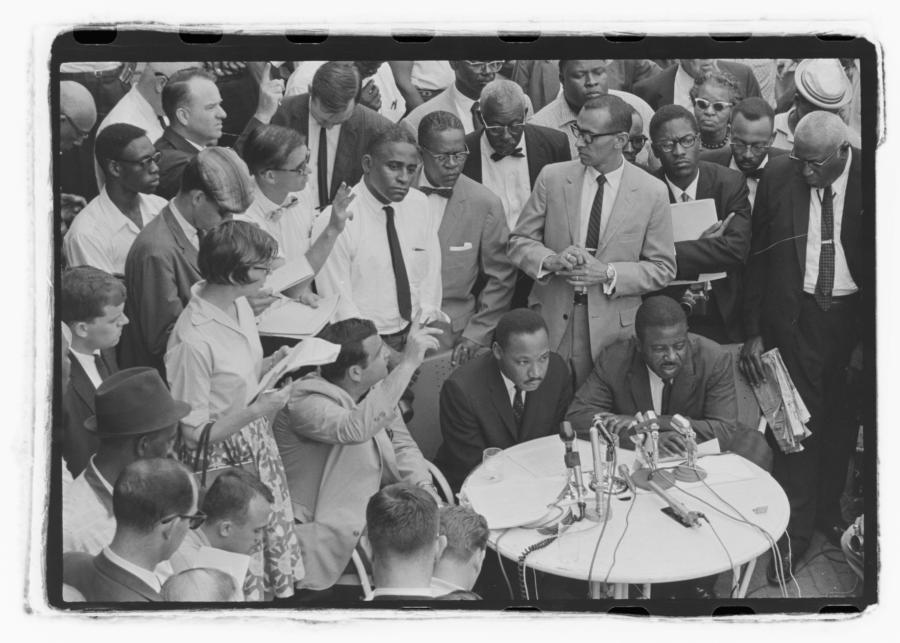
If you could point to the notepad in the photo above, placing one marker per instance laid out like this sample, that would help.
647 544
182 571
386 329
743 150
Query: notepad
689 220
292 273
311 351
291 319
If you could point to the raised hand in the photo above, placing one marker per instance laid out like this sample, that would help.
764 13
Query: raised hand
339 207
271 93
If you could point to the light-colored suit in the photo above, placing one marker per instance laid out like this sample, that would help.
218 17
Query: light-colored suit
637 240
473 235
336 455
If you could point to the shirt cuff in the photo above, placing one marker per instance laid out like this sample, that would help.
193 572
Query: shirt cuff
609 288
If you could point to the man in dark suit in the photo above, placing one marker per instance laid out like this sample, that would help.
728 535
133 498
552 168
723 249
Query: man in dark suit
507 155
808 293
338 130
476 275
193 105
723 246
672 85
752 134
162 264
518 392
155 503
92 304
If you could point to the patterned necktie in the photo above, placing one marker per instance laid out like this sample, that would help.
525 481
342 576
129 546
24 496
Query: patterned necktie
517 153
666 396
322 168
275 215
444 192
593 231
404 301
477 125
518 405
825 282
101 367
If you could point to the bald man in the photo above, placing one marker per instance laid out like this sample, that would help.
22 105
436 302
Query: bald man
77 115
807 293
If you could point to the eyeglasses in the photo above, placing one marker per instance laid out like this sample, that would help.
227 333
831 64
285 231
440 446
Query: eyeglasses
145 162
815 164
194 520
444 159
587 136
81 133
719 106
300 169
637 142
757 148
482 66
686 142
514 129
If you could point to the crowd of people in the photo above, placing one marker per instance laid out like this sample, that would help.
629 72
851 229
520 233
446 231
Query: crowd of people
516 215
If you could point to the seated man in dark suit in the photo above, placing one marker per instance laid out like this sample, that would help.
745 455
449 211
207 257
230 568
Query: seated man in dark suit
668 370
458 567
518 392
507 155
162 266
673 84
92 304
752 134
403 535
155 503
722 247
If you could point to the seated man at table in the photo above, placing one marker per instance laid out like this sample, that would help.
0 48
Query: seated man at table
458 567
517 392
668 370
403 534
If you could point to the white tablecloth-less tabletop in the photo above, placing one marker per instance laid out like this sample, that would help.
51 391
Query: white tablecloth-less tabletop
655 548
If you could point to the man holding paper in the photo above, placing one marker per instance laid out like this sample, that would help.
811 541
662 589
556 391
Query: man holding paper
714 200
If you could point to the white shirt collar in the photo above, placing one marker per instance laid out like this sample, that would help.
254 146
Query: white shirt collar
690 190
149 577
613 178
189 231
510 387
839 186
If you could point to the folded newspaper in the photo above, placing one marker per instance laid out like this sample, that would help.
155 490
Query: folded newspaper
781 404
311 351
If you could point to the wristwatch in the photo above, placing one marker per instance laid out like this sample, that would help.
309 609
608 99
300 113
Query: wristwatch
610 273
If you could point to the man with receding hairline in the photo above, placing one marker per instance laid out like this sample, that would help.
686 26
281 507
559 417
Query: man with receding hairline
77 115
808 293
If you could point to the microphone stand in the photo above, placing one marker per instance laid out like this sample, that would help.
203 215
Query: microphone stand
688 471
575 486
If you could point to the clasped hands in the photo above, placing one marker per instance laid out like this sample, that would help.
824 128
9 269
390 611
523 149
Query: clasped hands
579 267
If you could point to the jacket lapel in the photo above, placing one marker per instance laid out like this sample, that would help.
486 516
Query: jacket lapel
115 574
500 400
621 206
344 154
187 248
303 115
535 154
572 201
800 194
639 382
81 384
472 168
97 486
178 142
685 382
454 216
851 217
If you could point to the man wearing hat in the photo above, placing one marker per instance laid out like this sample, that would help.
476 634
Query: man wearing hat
136 417
161 266
820 84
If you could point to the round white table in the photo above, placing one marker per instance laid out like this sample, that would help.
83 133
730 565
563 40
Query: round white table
655 548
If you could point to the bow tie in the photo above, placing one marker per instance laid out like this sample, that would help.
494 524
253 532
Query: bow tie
497 156
275 215
755 174
444 192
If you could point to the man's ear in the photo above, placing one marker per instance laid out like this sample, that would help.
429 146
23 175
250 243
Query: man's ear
366 163
225 528
140 446
182 114
441 546
496 350
79 328
354 372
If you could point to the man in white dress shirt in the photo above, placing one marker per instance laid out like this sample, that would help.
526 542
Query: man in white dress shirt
387 263
581 80
101 235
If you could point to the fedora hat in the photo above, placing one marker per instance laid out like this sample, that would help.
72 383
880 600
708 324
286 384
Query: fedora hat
133 402
823 82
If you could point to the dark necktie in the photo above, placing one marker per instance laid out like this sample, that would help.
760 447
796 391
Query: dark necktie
685 197
593 231
101 367
444 192
666 396
404 302
518 405
476 116
518 153
755 174
825 282
322 168
162 121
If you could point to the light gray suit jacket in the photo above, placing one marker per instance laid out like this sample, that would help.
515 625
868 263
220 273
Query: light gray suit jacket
637 240
473 235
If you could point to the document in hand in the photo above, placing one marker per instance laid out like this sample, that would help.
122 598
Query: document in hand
235 565
290 274
689 220
289 318
311 351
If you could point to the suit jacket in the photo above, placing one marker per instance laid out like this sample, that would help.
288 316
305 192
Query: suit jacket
356 132
624 73
703 391
100 580
774 277
539 79
473 235
176 152
79 444
722 156
543 145
637 240
476 413
727 253
160 269
337 453
659 90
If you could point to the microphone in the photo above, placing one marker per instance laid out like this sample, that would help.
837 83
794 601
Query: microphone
573 464
677 510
